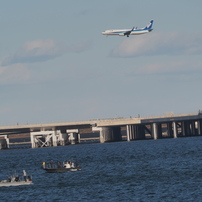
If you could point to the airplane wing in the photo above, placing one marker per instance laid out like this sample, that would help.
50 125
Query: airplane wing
128 32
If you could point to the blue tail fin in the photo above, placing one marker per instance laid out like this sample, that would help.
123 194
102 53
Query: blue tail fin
149 26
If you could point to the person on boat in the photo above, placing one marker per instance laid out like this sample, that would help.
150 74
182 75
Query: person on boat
59 164
44 164
17 178
67 164
25 175
72 165
51 163
29 178
9 178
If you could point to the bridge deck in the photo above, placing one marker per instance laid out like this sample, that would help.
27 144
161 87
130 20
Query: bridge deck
20 129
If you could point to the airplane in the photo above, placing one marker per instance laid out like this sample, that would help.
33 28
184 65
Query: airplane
127 32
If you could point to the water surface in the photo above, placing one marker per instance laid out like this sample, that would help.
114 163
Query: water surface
147 170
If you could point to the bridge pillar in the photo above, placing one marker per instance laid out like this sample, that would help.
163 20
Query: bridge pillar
199 124
7 140
196 127
65 137
192 128
54 139
186 128
73 136
170 129
135 132
43 138
175 130
154 131
62 138
4 142
183 129
129 132
109 133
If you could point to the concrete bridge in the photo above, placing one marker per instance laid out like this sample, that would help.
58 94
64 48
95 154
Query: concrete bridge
110 130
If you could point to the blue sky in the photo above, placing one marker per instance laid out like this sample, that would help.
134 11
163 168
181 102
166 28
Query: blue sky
56 66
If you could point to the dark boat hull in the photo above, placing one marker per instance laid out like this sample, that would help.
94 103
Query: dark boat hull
61 170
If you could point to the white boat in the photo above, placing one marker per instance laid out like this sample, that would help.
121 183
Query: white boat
15 180
6 183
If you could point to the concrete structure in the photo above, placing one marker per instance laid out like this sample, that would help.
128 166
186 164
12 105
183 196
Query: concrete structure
109 129
53 138
4 142
109 133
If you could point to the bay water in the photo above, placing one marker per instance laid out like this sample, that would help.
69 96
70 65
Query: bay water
146 170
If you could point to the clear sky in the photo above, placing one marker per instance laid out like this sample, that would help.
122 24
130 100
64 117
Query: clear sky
56 66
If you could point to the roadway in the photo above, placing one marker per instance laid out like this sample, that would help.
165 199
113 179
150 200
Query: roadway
87 125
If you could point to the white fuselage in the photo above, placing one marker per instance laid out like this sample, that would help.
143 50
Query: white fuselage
121 32
127 32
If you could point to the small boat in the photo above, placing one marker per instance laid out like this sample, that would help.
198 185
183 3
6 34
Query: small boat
6 183
15 180
61 170
67 166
